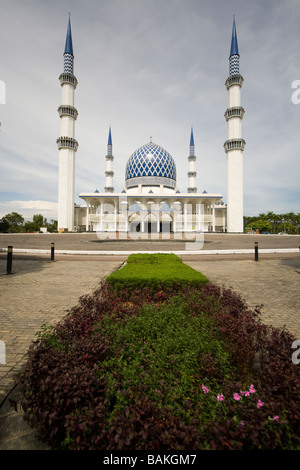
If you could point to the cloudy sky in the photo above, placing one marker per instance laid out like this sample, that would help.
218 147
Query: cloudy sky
149 68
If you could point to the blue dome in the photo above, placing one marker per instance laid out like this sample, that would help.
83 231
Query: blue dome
150 160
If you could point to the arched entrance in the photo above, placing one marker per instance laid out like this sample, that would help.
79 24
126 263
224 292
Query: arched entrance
165 224
151 224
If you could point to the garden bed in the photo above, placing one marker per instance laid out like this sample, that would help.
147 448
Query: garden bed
156 272
170 366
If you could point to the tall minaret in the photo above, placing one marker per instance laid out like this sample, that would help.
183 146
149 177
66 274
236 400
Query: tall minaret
109 162
192 173
235 145
67 145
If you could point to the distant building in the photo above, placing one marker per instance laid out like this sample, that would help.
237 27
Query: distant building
150 200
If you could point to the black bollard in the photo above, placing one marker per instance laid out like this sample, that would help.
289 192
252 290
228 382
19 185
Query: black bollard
9 259
52 251
256 251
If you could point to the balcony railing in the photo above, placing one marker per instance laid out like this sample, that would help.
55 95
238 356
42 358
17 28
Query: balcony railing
67 142
234 112
234 144
68 78
234 80
67 111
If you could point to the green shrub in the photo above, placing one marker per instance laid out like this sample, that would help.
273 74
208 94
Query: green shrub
165 348
156 272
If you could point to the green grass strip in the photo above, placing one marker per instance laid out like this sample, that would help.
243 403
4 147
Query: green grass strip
157 271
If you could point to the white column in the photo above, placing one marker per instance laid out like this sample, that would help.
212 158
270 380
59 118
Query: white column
115 203
87 217
101 216
214 218
199 217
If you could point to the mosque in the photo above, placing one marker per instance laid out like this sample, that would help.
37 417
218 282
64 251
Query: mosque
150 201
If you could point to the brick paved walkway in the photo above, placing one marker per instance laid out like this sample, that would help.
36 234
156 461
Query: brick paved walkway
37 292
275 284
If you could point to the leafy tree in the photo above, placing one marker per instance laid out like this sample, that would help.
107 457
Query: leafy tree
15 221
31 227
4 225
288 227
275 223
52 225
274 219
39 220
263 225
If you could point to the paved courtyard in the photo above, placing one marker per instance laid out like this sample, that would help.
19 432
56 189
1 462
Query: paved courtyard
89 242
272 283
41 291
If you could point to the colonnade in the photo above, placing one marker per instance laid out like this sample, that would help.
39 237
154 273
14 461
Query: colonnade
122 214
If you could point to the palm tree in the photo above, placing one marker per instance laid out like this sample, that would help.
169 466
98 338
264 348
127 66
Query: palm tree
272 218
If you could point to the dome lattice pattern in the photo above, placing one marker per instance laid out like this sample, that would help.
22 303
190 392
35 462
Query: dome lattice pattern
150 160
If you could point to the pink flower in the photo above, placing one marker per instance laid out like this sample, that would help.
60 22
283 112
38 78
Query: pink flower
205 389
242 423
220 397
275 418
259 404
236 397
252 389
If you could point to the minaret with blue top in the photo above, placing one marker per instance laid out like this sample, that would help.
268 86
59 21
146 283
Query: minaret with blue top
109 166
68 54
192 173
234 145
67 144
234 58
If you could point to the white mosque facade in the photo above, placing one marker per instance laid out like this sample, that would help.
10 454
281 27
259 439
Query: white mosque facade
150 201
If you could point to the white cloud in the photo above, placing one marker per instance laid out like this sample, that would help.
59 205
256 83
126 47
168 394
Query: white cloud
29 208
150 68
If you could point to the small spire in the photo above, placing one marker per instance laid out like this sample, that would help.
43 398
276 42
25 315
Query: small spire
191 159
234 58
109 143
234 50
68 54
69 45
109 137
192 138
